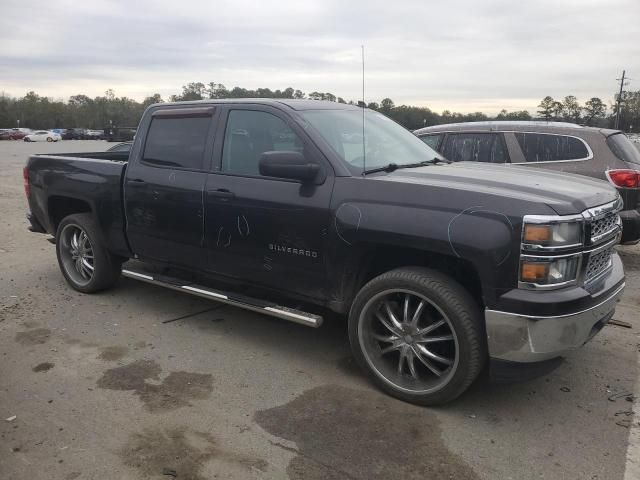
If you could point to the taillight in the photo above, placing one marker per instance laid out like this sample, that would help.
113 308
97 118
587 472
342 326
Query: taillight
625 178
27 186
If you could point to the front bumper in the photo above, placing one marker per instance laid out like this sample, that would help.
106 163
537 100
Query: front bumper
516 337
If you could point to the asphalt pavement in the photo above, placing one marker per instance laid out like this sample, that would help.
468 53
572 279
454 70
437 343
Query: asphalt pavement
140 382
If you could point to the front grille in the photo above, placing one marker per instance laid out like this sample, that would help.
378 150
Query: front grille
598 263
603 226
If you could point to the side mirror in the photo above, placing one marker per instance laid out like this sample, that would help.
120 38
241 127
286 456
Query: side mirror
285 164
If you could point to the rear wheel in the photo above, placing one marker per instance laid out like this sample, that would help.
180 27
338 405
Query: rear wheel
49 139
83 259
418 334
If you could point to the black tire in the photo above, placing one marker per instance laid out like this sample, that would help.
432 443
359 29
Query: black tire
440 294
105 267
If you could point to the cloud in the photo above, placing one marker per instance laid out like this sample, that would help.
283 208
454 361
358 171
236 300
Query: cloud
461 55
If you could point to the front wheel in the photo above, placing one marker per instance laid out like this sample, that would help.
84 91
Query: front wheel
84 261
418 334
49 139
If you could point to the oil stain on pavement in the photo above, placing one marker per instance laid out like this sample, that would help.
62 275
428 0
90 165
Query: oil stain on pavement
36 336
175 391
43 367
342 433
180 453
112 354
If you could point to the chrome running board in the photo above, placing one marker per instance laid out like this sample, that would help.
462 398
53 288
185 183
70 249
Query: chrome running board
272 309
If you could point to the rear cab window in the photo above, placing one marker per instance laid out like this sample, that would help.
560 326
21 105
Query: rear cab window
475 147
550 147
623 148
177 141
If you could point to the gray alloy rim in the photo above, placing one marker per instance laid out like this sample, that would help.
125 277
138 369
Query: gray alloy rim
76 252
408 341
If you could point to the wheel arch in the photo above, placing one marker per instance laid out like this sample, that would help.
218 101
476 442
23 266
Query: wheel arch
378 259
59 207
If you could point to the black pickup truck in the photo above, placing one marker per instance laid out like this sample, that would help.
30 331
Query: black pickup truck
280 207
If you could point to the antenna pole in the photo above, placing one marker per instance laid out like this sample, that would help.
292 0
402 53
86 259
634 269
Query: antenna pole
364 150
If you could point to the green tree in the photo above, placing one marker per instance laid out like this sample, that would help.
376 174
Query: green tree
594 109
155 98
386 105
629 111
193 91
558 110
547 108
572 109
516 115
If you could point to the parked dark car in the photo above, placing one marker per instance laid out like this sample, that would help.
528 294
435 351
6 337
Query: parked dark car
75 134
94 134
273 206
120 134
565 147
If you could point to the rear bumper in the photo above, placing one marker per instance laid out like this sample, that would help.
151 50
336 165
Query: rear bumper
515 337
35 225
630 226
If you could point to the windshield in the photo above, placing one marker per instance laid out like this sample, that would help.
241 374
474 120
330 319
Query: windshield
623 148
385 141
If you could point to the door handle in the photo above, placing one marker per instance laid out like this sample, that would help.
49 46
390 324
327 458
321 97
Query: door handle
222 194
137 180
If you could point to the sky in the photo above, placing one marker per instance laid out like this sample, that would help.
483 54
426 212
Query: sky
460 55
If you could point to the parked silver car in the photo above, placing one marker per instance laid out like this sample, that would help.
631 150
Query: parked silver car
566 147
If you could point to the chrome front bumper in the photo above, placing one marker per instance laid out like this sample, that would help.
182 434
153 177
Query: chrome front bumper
523 338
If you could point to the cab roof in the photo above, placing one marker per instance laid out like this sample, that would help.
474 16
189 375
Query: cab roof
294 104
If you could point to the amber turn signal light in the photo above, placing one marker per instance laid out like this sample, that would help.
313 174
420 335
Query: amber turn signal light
537 233
534 272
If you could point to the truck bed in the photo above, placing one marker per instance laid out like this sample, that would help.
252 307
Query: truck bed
60 183
112 156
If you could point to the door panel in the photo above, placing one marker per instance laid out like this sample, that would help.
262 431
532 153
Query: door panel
164 187
266 231
165 214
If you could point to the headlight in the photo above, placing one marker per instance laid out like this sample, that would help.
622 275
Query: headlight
548 271
564 234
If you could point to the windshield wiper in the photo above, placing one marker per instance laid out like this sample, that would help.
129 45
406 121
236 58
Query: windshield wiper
391 167
441 160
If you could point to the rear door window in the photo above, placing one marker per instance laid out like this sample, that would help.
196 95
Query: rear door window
432 140
475 147
623 148
177 142
547 147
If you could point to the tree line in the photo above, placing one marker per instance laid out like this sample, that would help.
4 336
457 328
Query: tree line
35 111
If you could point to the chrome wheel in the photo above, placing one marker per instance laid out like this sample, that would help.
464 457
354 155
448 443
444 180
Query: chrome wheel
76 254
408 341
